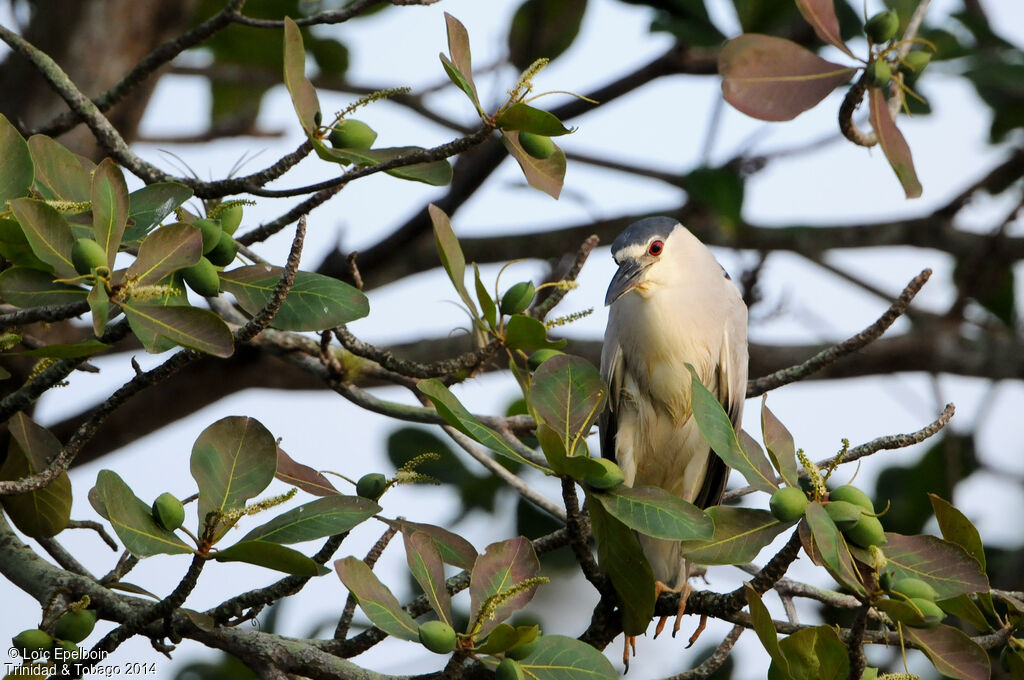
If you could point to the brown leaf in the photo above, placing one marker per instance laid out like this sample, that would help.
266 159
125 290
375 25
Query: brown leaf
894 146
775 79
952 652
545 174
302 476
821 15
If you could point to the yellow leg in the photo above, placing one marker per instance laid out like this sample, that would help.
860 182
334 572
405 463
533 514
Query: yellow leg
700 629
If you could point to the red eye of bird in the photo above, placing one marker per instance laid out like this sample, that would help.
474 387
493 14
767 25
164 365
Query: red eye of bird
656 248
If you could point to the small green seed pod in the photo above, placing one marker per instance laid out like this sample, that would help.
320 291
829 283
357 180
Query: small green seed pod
788 504
879 73
352 134
882 27
75 626
211 232
203 278
914 588
230 218
31 643
931 614
371 485
537 146
168 511
438 637
517 298
852 494
86 255
915 62
844 515
224 252
866 532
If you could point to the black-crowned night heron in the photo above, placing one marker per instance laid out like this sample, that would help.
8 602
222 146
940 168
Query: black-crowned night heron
672 304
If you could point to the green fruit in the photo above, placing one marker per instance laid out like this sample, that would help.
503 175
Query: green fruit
168 511
509 669
931 614
224 252
69 650
540 356
517 298
372 485
32 643
352 134
866 532
852 494
914 588
845 515
438 637
203 278
879 73
915 62
75 626
883 26
788 504
611 475
537 146
521 651
230 218
86 255
885 580
211 231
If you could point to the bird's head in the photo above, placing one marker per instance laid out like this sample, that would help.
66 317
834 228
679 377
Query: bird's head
643 248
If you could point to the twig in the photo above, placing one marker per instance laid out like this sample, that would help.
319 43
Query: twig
465 363
284 285
524 489
855 641
95 526
579 538
334 16
824 358
48 313
65 559
715 661
544 305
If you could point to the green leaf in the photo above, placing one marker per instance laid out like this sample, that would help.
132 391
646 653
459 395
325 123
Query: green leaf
24 287
302 476
894 146
86 348
110 207
60 174
45 512
765 628
963 606
232 461
529 334
567 394
48 234
427 568
489 309
505 637
525 118
832 548
946 567
323 517
543 29
545 174
821 15
302 93
498 570
435 173
17 172
166 250
99 305
780 445
740 534
450 252
454 549
956 528
815 654
314 303
376 600
133 521
15 248
191 327
620 556
775 79
716 427
556 657
952 652
456 415
149 206
655 512
272 556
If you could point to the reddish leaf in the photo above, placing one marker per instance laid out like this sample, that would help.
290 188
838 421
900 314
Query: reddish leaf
821 15
60 174
44 512
272 556
17 172
779 443
775 79
740 534
458 47
427 568
375 599
48 234
303 95
110 207
951 651
302 476
956 528
545 174
166 250
894 146
454 549
503 566
192 327
944 566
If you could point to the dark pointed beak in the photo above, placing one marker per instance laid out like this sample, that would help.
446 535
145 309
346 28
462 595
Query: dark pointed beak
625 280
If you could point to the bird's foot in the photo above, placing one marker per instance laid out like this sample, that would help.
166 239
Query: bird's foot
629 644
700 629
684 594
